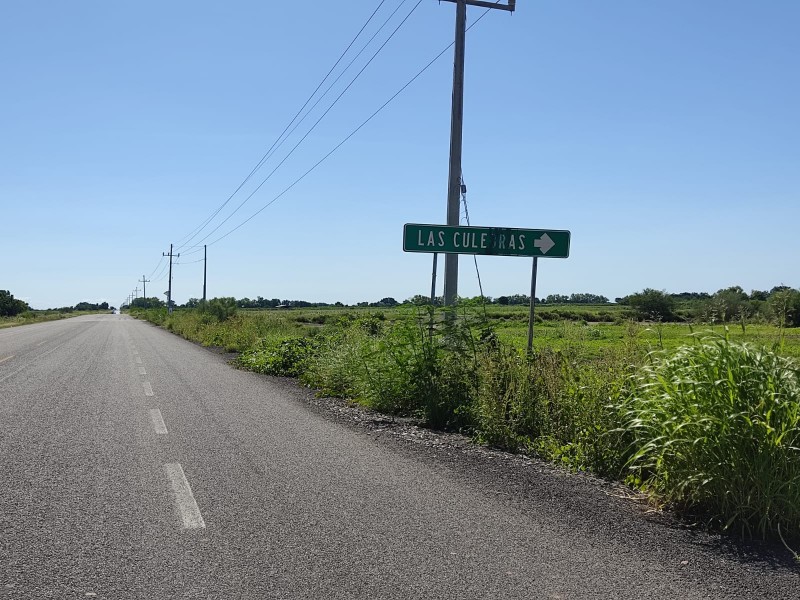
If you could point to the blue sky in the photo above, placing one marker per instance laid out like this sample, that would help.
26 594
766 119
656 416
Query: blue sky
664 135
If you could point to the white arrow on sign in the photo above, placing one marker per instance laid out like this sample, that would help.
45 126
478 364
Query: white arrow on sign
544 243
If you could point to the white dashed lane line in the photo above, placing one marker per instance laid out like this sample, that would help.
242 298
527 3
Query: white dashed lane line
188 510
158 421
2 360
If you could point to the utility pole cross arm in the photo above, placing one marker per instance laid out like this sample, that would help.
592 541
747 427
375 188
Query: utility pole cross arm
482 3
144 281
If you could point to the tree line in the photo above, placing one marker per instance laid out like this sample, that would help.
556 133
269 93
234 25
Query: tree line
11 307
781 304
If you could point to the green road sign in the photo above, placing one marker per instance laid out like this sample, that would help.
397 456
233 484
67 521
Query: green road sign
496 241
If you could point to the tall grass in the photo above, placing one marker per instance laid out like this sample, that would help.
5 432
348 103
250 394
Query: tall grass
556 403
224 328
715 429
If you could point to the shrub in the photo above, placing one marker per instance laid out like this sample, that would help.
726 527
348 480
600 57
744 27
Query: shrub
412 369
285 358
10 306
220 309
651 304
715 428
552 403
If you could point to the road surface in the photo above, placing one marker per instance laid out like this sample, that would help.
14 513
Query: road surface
134 464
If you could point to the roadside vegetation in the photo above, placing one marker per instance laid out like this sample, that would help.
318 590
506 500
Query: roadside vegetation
694 404
15 312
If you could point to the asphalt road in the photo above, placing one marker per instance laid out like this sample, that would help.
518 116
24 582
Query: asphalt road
134 464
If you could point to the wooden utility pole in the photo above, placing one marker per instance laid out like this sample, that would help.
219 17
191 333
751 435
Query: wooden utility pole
532 315
144 281
456 131
205 265
169 288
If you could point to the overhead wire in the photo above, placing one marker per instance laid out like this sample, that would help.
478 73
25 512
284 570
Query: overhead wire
156 269
474 256
317 122
191 262
346 139
341 74
269 152
161 274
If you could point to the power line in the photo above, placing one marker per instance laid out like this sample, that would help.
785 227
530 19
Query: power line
189 263
345 140
268 153
162 274
158 265
226 219
335 81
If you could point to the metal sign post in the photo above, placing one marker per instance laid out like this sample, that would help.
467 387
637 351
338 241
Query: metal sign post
533 302
433 279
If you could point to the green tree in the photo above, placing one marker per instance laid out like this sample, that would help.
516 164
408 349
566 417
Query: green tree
587 299
651 304
91 306
147 303
221 309
418 300
785 307
556 299
10 306
730 303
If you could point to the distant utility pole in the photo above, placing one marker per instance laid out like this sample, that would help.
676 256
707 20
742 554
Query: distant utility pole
144 286
456 130
169 289
205 264
135 292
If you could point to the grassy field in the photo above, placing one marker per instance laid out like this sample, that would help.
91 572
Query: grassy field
586 330
702 416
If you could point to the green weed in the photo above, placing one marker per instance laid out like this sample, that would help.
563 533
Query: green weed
715 429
